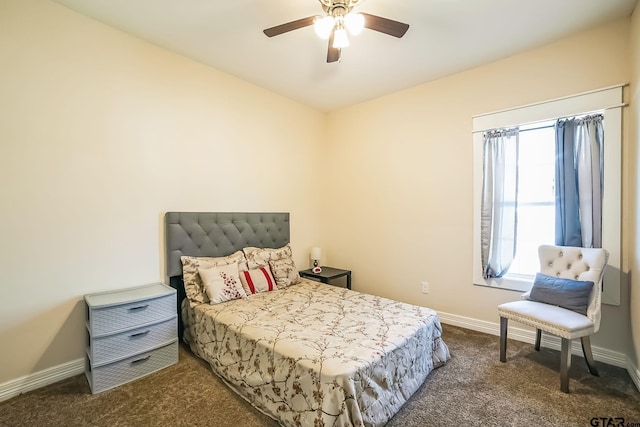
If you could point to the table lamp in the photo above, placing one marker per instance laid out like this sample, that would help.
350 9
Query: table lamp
316 252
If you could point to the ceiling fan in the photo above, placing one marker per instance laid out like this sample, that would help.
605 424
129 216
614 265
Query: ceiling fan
340 17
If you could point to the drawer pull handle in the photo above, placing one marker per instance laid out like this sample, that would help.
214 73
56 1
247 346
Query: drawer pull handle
139 334
140 307
144 359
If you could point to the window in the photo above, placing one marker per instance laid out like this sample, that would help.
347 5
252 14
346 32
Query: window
537 195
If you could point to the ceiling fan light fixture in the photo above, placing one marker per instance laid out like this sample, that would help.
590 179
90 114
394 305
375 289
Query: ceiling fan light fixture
339 17
354 23
340 38
323 26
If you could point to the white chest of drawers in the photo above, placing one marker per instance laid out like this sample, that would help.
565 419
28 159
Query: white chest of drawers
130 333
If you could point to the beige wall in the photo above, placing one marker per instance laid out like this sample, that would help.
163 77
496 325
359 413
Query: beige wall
400 175
100 134
634 186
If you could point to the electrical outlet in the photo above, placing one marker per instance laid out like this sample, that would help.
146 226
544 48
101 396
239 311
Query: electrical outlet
425 287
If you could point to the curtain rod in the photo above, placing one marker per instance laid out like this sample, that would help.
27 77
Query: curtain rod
573 116
586 113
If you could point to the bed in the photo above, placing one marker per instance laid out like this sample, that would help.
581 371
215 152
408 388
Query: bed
303 352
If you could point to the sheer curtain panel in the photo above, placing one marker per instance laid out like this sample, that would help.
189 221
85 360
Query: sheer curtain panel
499 201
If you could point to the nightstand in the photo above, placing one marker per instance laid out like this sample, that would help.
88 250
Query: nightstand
131 333
327 275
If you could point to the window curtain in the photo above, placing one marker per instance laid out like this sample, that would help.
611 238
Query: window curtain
499 201
579 181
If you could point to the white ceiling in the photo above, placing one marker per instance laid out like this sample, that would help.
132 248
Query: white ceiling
445 37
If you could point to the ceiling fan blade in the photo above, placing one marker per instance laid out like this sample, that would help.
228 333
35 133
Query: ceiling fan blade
384 25
289 26
333 53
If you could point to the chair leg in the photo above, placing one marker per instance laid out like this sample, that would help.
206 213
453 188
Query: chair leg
503 339
565 364
588 356
538 338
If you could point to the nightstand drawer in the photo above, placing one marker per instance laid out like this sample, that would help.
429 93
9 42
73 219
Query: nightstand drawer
104 377
104 320
105 349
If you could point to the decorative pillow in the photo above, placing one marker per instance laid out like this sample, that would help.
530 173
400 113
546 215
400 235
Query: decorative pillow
257 280
259 257
222 283
193 283
285 272
566 293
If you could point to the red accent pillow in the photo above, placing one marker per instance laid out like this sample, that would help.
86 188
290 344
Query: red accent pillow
257 280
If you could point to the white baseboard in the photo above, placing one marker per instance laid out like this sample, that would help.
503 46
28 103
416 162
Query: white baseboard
634 373
40 379
600 354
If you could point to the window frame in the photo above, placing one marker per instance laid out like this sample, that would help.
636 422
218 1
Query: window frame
607 100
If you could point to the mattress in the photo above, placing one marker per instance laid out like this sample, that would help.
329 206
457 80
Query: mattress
314 354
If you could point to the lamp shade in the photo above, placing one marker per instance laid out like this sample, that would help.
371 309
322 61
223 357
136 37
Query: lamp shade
340 38
354 23
323 26
316 252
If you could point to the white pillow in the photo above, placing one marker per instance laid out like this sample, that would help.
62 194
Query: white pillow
260 257
193 285
285 272
222 283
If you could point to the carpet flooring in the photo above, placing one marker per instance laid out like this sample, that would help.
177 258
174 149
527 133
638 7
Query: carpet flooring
472 389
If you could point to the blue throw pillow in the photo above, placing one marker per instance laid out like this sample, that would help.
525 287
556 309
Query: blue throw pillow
565 293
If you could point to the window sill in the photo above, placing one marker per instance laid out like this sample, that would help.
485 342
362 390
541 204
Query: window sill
510 282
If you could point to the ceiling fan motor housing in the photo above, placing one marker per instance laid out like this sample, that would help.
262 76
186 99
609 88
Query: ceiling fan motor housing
339 7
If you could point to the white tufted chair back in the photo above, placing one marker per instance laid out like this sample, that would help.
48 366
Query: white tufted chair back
578 264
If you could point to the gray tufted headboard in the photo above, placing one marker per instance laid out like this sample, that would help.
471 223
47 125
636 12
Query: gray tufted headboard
214 234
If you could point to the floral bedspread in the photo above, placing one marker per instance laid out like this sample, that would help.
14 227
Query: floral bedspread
318 355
